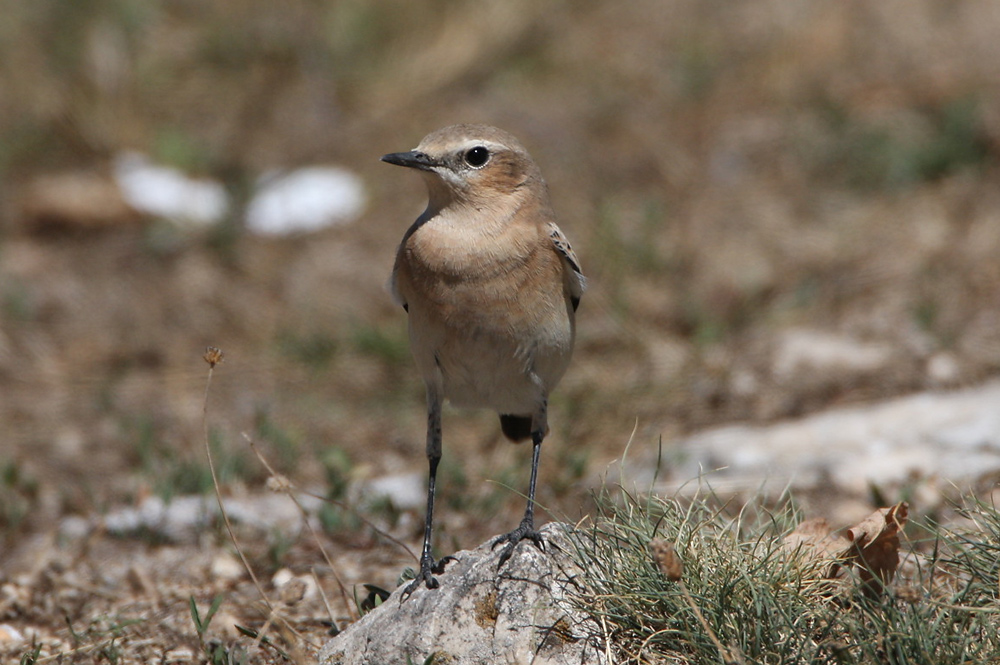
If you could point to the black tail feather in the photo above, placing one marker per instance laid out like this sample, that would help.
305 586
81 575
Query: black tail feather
515 428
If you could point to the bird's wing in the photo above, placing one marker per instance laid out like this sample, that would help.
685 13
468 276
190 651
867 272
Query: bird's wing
577 282
394 293
392 285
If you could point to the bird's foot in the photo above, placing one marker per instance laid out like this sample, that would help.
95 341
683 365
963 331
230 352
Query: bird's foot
526 531
425 576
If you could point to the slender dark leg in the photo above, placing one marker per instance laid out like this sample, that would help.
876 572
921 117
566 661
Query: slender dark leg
427 566
526 530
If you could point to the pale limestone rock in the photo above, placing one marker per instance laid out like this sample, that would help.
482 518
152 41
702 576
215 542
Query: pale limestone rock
941 440
522 613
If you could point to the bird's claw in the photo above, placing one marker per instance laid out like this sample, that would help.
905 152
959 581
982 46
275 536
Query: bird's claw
425 576
438 568
526 531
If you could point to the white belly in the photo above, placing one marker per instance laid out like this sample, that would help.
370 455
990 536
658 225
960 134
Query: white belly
494 372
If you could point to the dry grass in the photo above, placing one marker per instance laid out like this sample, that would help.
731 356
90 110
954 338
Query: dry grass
744 598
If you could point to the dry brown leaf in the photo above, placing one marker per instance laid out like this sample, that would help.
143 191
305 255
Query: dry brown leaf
666 558
872 545
876 545
814 540
815 534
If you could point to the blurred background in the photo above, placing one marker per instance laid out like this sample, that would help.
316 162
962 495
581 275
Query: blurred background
780 207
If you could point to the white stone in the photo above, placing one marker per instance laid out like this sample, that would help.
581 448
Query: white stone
162 191
407 491
943 368
10 635
184 518
815 351
227 567
305 200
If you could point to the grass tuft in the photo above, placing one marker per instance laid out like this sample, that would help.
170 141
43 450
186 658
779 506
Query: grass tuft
743 598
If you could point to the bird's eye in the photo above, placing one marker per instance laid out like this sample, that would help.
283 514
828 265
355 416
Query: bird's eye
476 157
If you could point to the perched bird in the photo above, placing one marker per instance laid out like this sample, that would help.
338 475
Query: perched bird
490 285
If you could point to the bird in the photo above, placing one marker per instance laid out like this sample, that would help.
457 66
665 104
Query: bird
491 287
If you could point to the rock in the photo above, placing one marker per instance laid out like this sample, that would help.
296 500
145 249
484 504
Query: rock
179 655
10 635
943 369
184 518
522 613
406 491
226 567
77 200
162 191
305 200
817 353
293 588
946 439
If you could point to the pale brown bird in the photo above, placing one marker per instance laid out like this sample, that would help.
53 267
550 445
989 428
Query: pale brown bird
491 286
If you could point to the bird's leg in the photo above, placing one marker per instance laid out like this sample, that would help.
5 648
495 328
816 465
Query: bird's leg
427 566
526 530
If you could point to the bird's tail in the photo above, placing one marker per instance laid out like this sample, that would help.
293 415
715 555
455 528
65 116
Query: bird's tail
515 428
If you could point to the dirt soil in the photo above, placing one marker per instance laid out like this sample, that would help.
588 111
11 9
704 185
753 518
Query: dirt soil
731 178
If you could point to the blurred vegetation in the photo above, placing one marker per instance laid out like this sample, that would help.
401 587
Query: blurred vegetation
18 494
933 143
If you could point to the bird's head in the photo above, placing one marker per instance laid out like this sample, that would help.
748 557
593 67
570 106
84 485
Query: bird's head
474 165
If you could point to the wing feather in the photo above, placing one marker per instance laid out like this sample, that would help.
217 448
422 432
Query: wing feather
577 282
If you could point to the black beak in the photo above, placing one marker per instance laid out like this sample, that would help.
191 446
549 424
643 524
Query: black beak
412 159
